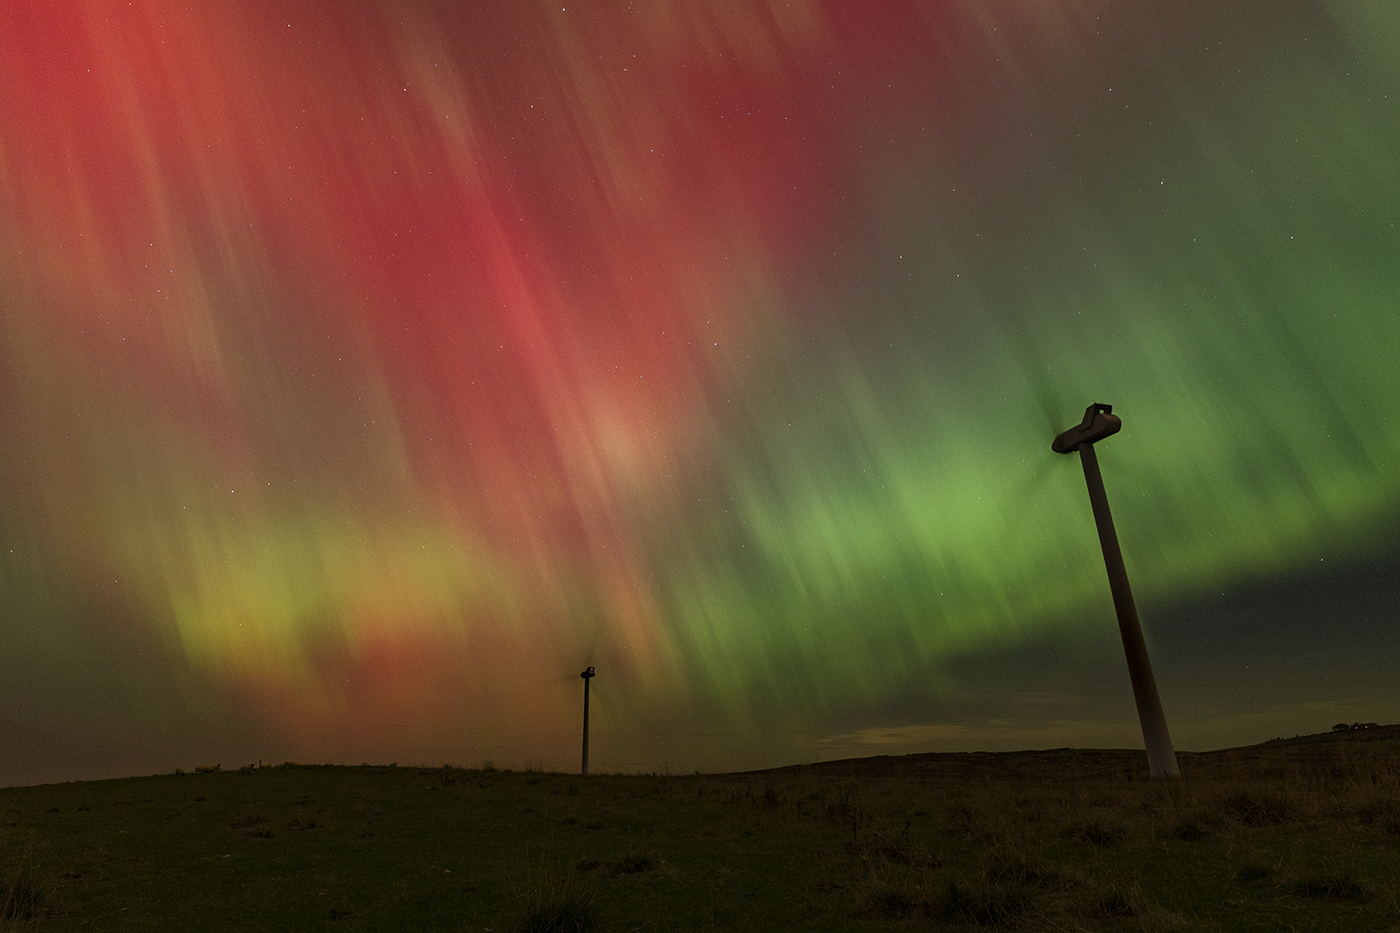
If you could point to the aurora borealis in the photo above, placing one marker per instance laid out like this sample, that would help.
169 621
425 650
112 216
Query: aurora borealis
370 367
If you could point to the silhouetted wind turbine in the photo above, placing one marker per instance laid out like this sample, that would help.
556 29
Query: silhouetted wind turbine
587 676
1100 422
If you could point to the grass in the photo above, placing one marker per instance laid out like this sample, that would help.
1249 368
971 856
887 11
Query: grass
558 905
1300 836
25 892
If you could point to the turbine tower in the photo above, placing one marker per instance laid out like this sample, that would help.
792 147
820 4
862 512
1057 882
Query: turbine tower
587 676
1100 422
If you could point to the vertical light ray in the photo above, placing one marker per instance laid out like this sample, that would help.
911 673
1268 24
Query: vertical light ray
382 362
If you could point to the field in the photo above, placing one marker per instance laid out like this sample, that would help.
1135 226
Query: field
1300 835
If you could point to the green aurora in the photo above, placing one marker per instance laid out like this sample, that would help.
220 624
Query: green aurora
866 544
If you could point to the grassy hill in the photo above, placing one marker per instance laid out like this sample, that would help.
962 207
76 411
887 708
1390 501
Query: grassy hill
1301 834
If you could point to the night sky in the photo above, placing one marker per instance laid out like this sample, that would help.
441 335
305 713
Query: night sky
370 367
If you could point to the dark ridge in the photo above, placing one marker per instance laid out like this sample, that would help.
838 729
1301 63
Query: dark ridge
1354 732
1071 763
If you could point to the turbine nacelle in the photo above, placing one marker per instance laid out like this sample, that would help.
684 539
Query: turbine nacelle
1099 422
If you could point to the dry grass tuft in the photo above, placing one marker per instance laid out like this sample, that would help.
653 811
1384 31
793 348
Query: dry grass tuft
893 898
1008 865
252 826
1192 827
896 851
1116 902
1331 887
559 906
24 893
1259 808
981 903
1096 832
634 863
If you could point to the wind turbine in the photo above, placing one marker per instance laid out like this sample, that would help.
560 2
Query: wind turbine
1100 422
587 676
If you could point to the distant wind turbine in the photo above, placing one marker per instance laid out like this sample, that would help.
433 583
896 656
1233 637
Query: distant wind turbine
1100 422
587 676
